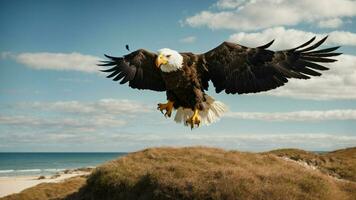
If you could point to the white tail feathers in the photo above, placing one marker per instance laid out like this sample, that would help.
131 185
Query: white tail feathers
212 113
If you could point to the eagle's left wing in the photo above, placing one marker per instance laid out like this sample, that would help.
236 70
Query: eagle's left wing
238 69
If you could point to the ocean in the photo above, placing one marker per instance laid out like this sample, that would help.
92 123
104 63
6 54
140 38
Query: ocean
33 164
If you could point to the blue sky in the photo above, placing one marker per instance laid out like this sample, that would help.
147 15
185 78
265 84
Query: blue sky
53 99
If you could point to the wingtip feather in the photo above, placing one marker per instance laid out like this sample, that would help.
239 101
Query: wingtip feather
314 46
306 43
265 46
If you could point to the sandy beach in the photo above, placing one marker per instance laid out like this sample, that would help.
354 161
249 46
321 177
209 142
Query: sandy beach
11 185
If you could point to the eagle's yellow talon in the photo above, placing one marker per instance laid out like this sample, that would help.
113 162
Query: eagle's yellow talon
168 107
194 120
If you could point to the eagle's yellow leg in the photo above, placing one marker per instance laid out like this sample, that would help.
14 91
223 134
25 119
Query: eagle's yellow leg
194 120
168 107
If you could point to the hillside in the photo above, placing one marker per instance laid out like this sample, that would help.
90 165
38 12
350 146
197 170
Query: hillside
48 191
339 164
210 173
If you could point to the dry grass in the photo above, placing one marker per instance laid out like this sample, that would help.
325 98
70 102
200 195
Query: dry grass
46 191
340 163
204 173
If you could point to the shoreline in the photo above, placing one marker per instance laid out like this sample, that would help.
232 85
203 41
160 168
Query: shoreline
15 184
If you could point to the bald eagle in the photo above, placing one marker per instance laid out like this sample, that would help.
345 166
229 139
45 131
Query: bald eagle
231 68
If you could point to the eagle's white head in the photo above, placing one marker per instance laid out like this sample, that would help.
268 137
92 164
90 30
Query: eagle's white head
169 60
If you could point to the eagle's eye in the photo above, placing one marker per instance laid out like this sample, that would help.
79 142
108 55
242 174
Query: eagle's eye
168 56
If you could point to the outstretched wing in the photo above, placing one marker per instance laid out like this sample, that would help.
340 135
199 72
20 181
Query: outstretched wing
137 68
238 69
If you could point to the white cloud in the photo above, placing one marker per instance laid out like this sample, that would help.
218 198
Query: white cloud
102 106
56 61
73 123
289 38
259 14
229 4
330 23
189 39
342 38
242 141
305 116
73 116
97 124
126 141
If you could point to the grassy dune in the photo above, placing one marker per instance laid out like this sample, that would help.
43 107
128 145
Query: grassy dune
46 191
340 163
210 173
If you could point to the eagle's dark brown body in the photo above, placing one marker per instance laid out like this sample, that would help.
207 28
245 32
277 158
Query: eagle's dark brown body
184 87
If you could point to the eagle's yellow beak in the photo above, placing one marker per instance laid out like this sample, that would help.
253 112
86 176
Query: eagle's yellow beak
161 60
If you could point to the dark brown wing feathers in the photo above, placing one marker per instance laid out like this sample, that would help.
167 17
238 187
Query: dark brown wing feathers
137 68
238 69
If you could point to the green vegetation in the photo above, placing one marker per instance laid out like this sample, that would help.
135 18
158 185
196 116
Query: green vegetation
210 173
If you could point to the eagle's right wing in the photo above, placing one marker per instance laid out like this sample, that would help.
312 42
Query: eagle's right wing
238 69
138 68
